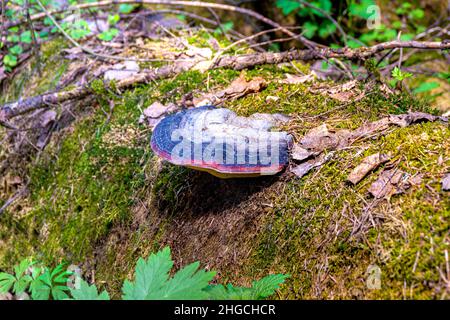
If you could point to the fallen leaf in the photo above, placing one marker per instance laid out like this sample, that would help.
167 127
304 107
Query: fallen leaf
303 168
295 79
391 182
446 182
299 153
367 164
155 112
238 88
319 139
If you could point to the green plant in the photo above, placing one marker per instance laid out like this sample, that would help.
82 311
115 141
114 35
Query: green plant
399 75
41 282
109 34
152 281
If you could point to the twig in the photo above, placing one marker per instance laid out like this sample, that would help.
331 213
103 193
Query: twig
11 200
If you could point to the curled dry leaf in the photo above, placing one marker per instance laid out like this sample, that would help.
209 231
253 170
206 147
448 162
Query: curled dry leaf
299 153
345 92
393 181
446 182
238 88
155 112
320 138
367 165
304 167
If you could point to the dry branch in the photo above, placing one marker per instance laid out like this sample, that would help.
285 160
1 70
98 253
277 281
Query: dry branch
238 62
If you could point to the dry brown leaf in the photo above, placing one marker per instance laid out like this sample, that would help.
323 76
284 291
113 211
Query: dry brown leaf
155 112
238 88
299 153
295 79
304 167
391 182
367 164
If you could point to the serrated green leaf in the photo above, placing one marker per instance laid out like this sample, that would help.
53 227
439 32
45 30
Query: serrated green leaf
151 274
268 285
22 284
6 282
188 283
39 290
229 292
86 292
260 289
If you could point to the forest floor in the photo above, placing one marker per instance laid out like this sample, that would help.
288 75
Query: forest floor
96 195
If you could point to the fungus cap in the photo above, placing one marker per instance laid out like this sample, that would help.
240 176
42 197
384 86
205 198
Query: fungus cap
218 141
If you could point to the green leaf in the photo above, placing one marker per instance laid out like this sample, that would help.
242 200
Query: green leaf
86 292
22 284
25 37
23 266
325 5
360 9
399 75
152 280
151 274
407 37
327 28
39 290
13 38
6 282
353 44
126 8
225 27
417 14
260 289
287 6
113 19
16 50
426 86
229 292
188 283
268 285
397 24
309 29
108 35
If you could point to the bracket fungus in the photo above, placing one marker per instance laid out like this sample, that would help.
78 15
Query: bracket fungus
218 141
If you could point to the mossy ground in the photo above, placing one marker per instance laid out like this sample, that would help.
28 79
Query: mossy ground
100 198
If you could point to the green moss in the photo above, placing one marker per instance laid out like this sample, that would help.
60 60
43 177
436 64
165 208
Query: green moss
85 188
